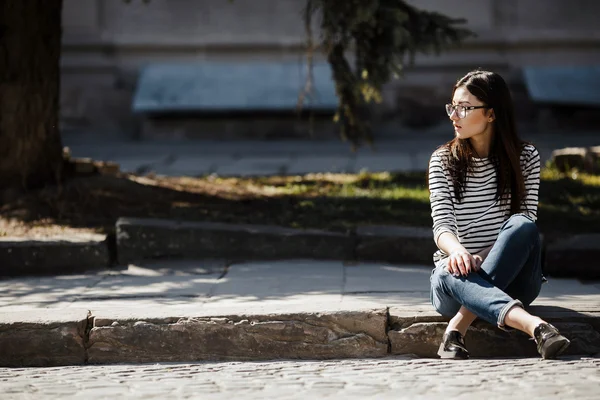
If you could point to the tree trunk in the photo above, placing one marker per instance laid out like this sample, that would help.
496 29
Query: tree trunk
30 43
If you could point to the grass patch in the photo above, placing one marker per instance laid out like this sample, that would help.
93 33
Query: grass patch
339 202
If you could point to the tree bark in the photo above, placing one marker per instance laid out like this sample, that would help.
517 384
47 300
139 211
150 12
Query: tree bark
30 44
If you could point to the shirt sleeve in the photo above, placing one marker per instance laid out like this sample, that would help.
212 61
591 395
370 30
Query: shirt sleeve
531 175
440 199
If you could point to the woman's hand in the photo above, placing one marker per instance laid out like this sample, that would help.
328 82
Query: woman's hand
462 263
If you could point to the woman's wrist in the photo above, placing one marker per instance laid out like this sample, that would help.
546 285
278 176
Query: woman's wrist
457 250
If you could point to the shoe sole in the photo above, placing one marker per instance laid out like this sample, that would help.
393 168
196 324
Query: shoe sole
450 355
555 348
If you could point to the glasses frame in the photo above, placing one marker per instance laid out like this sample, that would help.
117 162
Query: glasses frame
453 108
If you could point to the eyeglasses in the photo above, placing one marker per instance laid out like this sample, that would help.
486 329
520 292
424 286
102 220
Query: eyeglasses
461 111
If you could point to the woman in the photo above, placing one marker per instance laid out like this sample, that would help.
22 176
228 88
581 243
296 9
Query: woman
484 192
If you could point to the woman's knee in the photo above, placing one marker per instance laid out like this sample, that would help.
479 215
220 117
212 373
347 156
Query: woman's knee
523 227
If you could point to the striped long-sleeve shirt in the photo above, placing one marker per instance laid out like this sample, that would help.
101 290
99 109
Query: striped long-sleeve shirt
476 220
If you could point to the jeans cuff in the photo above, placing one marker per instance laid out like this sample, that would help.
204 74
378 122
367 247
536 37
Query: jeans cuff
504 311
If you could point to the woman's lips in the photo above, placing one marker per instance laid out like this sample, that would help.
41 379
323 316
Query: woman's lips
457 126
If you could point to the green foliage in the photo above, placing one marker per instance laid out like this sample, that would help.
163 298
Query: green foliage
383 36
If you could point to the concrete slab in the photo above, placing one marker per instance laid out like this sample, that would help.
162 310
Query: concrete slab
570 294
280 281
255 166
383 163
42 292
132 287
312 165
417 300
382 278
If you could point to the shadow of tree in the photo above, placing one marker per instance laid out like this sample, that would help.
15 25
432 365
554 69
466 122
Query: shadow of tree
98 201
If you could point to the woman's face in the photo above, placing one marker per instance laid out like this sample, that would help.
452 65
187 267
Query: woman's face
477 122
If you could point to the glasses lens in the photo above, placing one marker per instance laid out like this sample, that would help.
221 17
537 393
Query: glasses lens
449 109
461 112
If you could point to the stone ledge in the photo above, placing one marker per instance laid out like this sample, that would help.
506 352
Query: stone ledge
74 337
242 337
22 256
420 334
139 239
395 244
33 339
577 256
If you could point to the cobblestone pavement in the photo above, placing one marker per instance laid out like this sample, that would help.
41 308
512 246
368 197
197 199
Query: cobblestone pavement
573 378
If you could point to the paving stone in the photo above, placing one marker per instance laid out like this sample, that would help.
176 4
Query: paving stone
398 377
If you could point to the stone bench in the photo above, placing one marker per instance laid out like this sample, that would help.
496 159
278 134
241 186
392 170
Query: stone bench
569 96
220 100
569 86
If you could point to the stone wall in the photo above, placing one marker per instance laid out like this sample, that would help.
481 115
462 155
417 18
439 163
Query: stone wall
106 42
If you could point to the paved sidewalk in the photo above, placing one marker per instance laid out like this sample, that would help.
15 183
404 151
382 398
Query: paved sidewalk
190 311
388 378
270 286
409 152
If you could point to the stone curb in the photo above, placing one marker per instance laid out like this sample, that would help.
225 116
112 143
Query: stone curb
240 337
33 338
53 255
140 238
576 256
395 244
420 334
79 339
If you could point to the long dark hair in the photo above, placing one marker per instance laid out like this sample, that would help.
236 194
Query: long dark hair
505 151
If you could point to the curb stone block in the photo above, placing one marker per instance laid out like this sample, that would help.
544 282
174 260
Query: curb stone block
293 336
139 239
484 340
395 244
42 341
576 256
55 255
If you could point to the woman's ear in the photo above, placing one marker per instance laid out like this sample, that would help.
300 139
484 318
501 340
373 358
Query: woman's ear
491 115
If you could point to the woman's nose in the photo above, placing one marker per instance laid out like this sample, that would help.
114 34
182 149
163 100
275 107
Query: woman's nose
454 116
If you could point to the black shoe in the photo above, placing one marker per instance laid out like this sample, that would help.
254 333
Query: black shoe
453 346
550 343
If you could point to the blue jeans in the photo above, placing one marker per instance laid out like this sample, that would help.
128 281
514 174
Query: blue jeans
510 276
